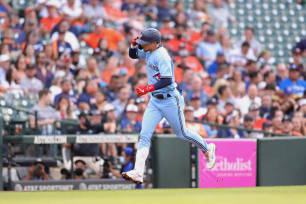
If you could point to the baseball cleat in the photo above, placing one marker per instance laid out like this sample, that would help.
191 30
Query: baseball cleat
133 176
211 160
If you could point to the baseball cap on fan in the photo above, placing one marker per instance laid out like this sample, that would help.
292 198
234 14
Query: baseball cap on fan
149 35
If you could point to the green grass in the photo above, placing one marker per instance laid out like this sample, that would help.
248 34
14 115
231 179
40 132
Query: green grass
258 195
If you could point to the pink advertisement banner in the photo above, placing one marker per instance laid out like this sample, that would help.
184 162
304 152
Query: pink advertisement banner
235 164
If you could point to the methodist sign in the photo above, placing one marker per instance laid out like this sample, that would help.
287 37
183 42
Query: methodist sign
235 164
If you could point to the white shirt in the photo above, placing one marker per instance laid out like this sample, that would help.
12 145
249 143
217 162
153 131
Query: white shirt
74 12
236 56
245 102
69 38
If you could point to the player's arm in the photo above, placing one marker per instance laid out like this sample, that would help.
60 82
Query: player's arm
163 82
166 75
134 51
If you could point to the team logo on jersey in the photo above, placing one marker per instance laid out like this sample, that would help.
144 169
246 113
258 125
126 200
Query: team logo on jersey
153 67
157 76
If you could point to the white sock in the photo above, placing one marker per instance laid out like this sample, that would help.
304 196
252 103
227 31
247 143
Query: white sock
141 157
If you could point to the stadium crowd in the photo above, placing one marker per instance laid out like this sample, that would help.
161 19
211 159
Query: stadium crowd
224 82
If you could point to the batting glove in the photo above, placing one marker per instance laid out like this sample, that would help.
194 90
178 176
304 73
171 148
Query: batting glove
134 43
142 90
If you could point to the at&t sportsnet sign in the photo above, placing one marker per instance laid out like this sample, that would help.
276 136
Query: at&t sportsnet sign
235 165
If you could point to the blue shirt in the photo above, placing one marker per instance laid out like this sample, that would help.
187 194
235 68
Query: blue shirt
203 97
125 122
158 65
87 98
290 87
212 69
208 50
228 133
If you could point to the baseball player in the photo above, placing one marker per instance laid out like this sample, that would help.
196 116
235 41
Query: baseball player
166 101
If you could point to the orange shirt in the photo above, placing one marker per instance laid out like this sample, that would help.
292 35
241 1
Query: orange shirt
112 36
168 31
192 62
174 44
178 74
114 13
258 123
49 23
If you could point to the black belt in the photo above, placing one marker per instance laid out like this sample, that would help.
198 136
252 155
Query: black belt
161 96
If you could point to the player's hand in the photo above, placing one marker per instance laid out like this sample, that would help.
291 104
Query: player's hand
134 43
142 90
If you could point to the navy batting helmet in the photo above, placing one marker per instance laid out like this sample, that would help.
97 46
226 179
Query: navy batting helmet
149 35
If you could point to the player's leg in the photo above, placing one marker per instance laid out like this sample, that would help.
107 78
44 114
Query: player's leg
173 112
152 116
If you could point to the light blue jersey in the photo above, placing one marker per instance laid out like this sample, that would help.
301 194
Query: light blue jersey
158 65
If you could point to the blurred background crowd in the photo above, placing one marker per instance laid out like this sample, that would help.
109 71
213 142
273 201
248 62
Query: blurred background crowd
238 63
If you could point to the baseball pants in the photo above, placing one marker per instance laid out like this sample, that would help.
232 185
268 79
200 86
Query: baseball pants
172 108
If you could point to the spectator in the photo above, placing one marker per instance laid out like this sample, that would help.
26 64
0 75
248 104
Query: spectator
199 111
207 51
226 45
287 128
79 170
21 66
198 13
185 84
92 68
30 83
196 90
225 95
248 99
266 106
232 120
281 73
132 7
254 111
12 83
64 108
47 23
298 127
211 116
87 100
163 10
195 126
46 115
293 84
213 68
43 73
101 102
66 88
141 106
70 37
248 122
37 171
109 150
94 10
29 54
120 103
220 14
112 36
297 57
129 122
113 87
255 46
151 10
239 56
4 66
60 45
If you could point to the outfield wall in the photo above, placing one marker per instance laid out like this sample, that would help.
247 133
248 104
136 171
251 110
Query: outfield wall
279 161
